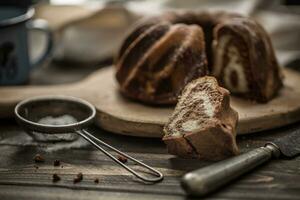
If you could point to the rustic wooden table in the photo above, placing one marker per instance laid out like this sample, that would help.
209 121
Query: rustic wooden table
21 179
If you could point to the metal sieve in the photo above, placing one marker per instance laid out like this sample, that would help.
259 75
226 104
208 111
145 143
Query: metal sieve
30 111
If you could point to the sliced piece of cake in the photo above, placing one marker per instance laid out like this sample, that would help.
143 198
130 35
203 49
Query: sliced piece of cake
203 124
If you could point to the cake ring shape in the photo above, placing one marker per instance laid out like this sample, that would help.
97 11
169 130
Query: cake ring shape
163 53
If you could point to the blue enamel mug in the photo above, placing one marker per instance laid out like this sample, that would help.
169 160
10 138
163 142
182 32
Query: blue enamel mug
15 23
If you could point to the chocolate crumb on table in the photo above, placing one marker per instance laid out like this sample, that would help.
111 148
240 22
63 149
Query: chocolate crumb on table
96 180
38 158
56 163
122 159
35 166
78 178
55 178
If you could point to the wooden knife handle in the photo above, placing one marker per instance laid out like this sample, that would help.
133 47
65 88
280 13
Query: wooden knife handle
205 180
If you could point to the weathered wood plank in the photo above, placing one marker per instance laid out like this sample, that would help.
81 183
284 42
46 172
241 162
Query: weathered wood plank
275 180
8 192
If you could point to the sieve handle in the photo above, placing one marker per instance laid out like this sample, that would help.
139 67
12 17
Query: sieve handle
93 140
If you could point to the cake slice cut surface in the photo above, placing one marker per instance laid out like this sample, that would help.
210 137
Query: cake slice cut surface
244 60
203 124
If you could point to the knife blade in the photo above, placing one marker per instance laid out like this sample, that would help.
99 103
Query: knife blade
206 180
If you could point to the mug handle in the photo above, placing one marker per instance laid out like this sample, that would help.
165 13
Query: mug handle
42 25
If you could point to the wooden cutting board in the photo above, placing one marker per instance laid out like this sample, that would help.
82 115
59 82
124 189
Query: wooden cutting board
120 115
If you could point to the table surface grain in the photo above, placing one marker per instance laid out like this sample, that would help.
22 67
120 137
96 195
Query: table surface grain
20 179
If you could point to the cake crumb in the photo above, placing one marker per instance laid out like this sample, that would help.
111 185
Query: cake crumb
122 159
96 180
36 167
55 178
38 158
56 163
78 178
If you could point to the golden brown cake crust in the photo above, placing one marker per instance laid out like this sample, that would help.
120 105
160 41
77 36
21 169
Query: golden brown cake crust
163 53
156 70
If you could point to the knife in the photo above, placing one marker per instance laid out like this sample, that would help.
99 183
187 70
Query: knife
205 180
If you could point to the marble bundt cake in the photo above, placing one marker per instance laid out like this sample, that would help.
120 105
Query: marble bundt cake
244 60
162 54
203 124
160 61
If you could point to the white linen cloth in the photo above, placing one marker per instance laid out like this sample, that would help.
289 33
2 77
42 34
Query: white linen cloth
92 31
